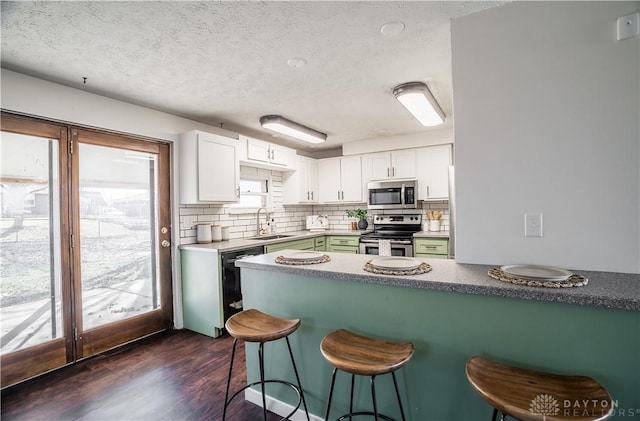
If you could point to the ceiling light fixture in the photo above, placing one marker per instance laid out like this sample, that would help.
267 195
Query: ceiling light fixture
417 98
289 128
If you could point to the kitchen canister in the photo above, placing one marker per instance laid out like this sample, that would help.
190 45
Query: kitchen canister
203 233
216 233
434 225
225 233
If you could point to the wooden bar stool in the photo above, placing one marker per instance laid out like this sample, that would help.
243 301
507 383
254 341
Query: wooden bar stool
530 395
356 354
254 326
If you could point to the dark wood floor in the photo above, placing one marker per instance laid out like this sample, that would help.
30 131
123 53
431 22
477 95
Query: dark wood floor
175 375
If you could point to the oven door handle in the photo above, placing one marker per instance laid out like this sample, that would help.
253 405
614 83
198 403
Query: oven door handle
368 241
400 241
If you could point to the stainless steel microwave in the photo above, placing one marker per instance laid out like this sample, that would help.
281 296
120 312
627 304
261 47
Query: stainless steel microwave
392 194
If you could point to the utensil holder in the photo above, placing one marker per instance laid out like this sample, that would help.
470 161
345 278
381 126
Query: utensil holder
434 225
203 233
225 233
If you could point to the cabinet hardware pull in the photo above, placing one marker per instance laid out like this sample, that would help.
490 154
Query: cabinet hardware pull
338 194
311 195
272 154
427 191
343 195
388 175
307 194
394 171
238 192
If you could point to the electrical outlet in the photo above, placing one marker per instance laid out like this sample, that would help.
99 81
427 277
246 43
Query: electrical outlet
533 225
628 26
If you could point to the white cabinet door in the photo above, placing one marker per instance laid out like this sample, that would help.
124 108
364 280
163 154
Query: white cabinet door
267 155
301 185
380 166
389 165
351 179
329 185
340 180
403 164
312 180
279 155
258 150
209 168
433 172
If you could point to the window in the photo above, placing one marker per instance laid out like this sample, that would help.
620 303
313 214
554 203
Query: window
254 192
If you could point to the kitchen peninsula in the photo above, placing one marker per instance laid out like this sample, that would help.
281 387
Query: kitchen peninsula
451 313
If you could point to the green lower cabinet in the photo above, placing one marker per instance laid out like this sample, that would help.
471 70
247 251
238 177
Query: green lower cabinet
343 244
437 248
320 244
305 244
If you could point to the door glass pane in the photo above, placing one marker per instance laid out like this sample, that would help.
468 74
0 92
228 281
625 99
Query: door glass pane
118 234
30 275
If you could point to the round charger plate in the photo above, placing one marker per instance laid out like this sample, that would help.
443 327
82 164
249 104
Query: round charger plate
302 255
536 272
395 263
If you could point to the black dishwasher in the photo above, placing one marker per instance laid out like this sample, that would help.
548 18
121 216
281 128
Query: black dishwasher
231 285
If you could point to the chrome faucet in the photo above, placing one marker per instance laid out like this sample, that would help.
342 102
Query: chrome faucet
258 220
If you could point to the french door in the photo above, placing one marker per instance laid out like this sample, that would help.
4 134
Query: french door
86 258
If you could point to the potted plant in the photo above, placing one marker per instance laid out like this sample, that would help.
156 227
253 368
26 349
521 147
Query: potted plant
361 214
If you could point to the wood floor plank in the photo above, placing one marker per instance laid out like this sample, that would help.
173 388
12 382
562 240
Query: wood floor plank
174 375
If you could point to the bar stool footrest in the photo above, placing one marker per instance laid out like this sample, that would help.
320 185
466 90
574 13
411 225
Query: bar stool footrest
286 383
369 413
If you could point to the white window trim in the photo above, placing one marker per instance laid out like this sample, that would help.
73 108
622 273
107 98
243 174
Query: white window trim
236 210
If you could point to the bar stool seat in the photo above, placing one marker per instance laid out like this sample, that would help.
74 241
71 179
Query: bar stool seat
529 395
255 326
364 356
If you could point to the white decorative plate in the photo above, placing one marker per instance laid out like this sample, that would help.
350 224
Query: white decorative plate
537 272
395 263
302 255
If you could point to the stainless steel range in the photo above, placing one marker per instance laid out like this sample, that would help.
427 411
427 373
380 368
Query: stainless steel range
398 230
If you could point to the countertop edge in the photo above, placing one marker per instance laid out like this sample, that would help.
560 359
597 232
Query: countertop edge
481 285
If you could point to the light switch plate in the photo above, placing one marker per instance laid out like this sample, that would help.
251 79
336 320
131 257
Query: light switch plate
533 225
628 26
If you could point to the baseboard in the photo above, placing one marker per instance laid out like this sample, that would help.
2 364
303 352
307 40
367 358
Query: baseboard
277 407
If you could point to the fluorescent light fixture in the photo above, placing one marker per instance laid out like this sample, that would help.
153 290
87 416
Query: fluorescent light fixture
289 128
417 98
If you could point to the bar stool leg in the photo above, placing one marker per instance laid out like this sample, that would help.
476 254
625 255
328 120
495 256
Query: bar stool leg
395 384
261 360
373 397
333 381
353 380
295 370
226 394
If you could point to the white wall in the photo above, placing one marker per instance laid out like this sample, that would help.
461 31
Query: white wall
547 120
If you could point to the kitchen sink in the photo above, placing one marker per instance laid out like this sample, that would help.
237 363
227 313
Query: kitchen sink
269 237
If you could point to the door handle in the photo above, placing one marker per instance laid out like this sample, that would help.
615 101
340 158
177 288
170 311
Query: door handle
165 244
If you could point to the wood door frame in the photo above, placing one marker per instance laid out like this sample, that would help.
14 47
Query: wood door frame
29 362
102 338
38 359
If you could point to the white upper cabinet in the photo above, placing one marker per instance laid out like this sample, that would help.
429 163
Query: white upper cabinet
340 179
258 153
301 185
209 168
433 164
389 165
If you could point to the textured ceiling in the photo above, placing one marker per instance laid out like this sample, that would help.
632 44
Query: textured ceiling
226 62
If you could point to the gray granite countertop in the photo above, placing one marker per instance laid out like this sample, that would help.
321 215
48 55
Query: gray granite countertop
605 289
243 243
